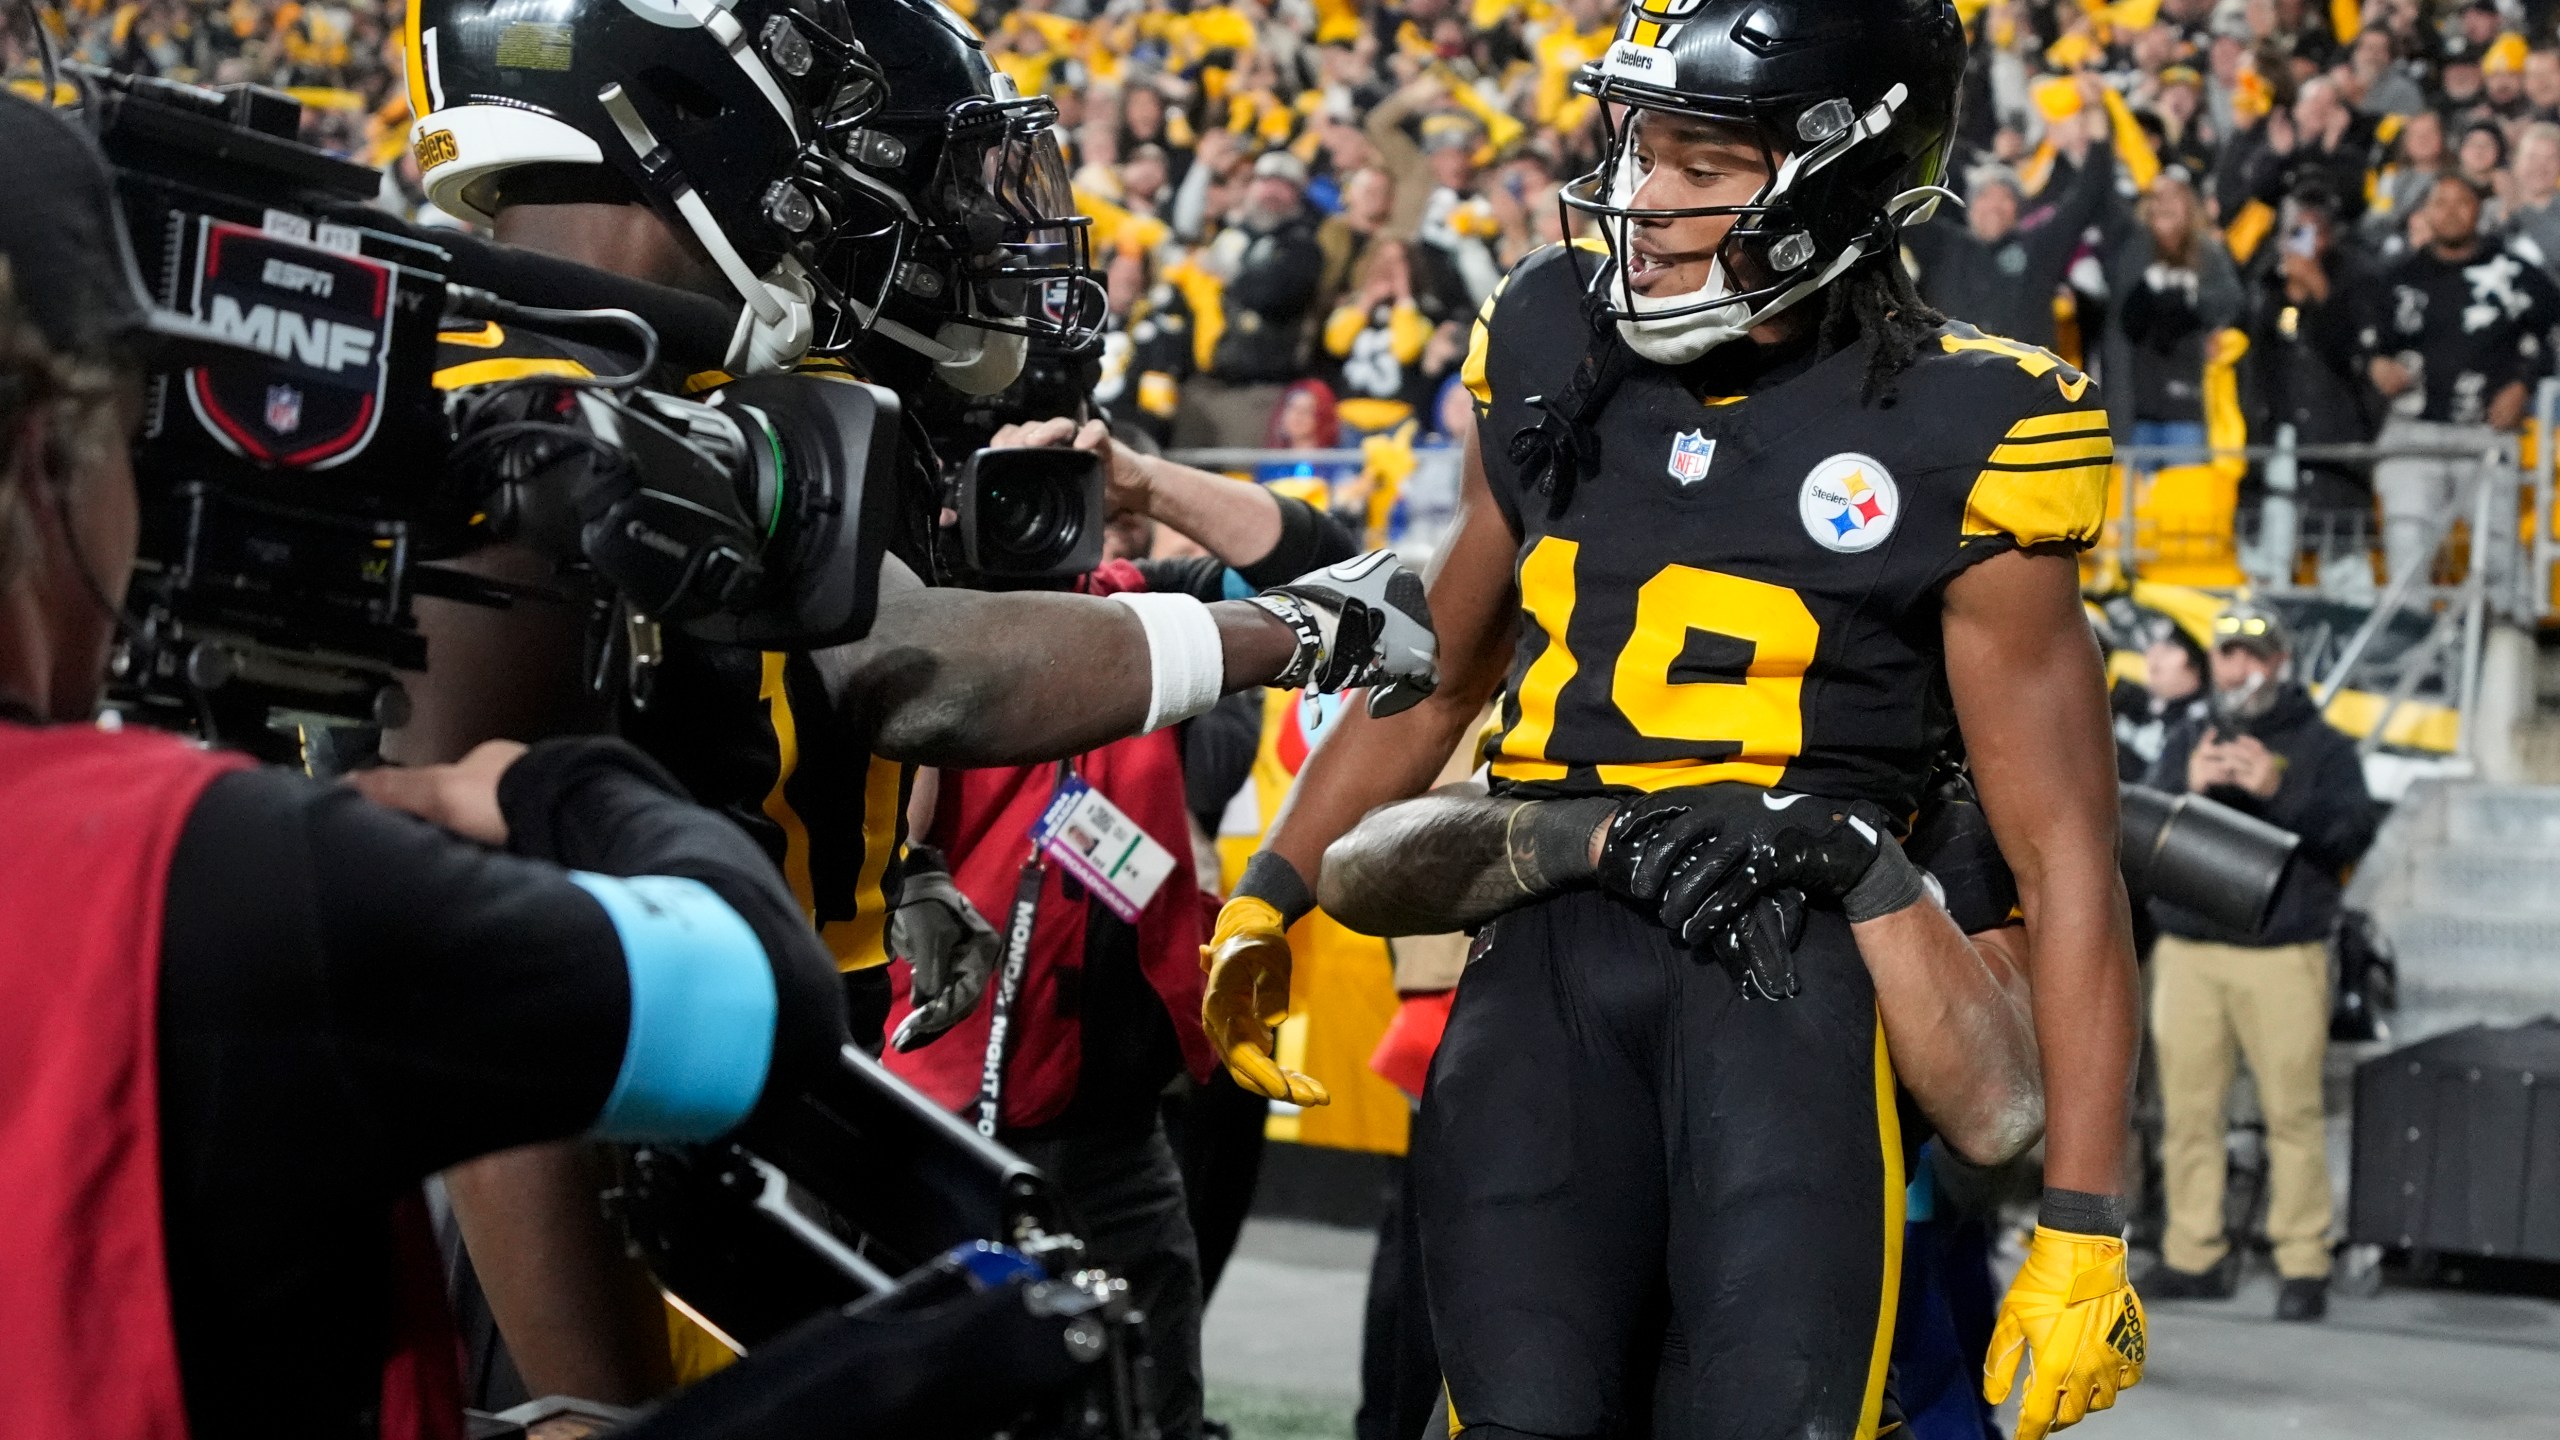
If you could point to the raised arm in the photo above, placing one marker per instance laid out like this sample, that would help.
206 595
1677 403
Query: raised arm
970 677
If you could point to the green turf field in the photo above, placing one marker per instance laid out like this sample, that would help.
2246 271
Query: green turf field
1260 1414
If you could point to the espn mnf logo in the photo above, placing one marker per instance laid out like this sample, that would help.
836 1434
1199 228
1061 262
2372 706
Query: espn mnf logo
323 320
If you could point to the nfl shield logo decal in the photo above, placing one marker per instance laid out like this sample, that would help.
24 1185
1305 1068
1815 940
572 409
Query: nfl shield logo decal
1691 454
324 321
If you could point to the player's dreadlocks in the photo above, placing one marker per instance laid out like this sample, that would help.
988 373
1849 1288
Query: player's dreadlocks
1876 301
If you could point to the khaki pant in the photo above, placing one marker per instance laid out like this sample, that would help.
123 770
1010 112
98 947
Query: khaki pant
2270 1004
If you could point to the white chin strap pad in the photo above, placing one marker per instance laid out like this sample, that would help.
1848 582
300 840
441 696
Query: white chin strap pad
761 346
1679 339
981 362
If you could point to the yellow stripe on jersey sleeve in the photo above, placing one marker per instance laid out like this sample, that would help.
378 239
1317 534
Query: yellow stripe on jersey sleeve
2033 453
2060 422
2046 482
2039 507
505 367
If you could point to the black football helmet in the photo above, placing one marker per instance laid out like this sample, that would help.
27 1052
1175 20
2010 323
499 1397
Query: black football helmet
999 259
739 121
1853 101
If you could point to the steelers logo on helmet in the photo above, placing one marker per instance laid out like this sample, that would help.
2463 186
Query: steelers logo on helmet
1849 504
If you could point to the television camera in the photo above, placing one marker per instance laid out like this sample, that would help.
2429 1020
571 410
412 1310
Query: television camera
890 1269
296 503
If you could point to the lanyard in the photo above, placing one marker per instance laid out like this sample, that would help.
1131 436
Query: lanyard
1017 959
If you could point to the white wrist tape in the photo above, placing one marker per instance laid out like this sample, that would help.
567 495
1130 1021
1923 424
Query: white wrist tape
1187 662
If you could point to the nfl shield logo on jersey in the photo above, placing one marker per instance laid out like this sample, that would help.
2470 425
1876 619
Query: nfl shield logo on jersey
1691 454
284 409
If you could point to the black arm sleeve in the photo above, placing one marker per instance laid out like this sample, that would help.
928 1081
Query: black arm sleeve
1309 539
1217 755
601 805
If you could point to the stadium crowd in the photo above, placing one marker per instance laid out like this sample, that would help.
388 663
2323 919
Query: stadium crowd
1301 207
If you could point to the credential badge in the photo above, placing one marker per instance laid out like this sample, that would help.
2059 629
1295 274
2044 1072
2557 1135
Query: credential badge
1691 453
1849 504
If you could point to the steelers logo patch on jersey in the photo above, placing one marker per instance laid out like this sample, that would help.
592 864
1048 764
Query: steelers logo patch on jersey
1849 504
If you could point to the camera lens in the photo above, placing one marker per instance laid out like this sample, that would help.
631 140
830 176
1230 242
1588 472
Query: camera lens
1029 523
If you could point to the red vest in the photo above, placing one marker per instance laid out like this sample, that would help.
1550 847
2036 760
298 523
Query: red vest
982 820
87 1346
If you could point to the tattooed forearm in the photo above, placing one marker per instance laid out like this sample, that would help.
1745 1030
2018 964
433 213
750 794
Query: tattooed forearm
1454 859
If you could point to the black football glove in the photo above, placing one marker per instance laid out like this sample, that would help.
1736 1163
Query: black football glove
1363 622
1730 867
1760 947
950 949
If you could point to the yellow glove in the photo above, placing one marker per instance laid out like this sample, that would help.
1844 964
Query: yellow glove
1248 964
2074 1307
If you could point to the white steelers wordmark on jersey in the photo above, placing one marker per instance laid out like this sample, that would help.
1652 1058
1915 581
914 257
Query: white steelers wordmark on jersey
1849 503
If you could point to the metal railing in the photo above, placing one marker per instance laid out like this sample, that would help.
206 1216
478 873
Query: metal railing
1249 457
2270 562
2516 585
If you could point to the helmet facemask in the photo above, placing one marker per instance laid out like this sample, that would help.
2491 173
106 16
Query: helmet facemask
1771 236
999 261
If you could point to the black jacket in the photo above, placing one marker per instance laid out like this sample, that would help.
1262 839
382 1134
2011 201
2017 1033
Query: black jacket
1268 307
2320 798
2005 286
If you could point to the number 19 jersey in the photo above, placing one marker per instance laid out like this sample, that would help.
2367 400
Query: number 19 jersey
1748 588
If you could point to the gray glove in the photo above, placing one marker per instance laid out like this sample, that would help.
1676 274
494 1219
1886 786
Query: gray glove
1360 623
949 946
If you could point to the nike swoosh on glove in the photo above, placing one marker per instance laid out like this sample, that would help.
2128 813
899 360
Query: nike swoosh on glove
2073 1309
1362 622
1247 958
1729 868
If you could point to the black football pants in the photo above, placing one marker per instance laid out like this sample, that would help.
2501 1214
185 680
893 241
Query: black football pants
1650 1206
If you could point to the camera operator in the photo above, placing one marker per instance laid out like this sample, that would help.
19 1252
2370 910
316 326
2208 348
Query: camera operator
249 1012
2266 751
809 751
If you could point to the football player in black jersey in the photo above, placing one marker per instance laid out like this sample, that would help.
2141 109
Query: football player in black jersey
863 182
1743 558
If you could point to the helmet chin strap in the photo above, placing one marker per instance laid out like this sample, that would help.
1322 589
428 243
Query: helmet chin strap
1679 339
971 359
775 328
